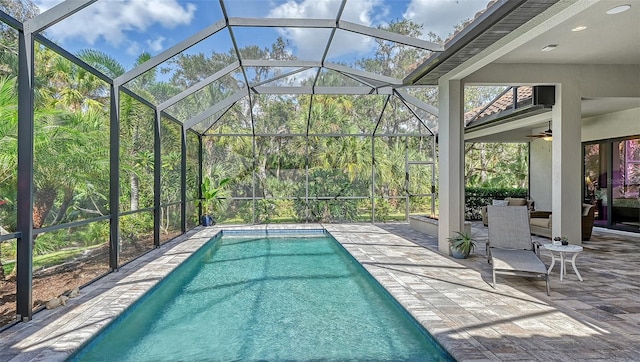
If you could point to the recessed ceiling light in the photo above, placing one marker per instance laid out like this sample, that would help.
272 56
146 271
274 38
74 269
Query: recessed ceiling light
549 47
618 9
579 28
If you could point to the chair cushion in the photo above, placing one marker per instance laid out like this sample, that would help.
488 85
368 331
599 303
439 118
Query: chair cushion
500 203
540 222
517 260
516 201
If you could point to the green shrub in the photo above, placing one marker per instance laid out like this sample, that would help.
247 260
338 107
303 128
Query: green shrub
477 197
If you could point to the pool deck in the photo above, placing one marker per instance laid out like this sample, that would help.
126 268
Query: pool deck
596 319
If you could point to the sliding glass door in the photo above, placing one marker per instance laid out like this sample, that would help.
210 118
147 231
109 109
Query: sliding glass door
612 182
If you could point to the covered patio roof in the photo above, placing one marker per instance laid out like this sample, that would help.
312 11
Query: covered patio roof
572 33
588 51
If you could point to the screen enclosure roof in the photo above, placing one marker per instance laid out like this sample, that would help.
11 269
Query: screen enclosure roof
248 55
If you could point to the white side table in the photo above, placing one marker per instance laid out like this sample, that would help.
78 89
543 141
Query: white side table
562 249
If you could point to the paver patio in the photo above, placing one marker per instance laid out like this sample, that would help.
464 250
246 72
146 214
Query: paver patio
597 319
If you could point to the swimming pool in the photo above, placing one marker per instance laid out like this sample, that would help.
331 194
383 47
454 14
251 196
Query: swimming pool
248 296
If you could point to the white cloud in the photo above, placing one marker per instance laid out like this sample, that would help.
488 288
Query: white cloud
364 12
156 45
308 43
110 20
440 16
134 48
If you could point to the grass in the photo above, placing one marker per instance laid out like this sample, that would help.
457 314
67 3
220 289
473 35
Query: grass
51 259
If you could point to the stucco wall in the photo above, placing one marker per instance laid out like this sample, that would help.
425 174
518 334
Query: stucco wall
611 125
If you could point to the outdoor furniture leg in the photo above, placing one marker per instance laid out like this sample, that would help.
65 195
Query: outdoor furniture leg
553 262
547 282
563 271
573 263
494 279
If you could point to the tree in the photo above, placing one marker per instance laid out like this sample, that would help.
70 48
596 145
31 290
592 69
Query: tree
20 10
136 124
8 156
496 165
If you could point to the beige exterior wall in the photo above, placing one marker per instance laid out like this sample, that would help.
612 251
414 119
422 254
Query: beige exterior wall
611 125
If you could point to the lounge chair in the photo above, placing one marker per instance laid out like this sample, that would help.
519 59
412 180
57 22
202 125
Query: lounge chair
511 250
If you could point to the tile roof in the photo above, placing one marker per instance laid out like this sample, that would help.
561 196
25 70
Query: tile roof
500 104
469 22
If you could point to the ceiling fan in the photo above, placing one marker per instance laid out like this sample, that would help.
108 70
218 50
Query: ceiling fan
546 135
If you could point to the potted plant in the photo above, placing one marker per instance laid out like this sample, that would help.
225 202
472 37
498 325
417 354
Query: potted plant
461 245
561 240
211 200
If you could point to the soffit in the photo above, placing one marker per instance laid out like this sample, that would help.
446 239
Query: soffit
492 25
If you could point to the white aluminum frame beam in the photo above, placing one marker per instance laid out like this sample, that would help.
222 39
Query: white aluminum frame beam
331 24
366 82
171 52
364 74
416 102
54 15
201 84
280 63
222 105
321 90
406 104
283 90
282 23
284 75
346 90
390 36
208 122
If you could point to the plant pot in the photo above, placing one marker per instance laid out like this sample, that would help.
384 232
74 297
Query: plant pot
207 220
458 254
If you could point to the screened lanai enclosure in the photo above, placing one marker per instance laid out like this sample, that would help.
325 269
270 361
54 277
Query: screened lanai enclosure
101 162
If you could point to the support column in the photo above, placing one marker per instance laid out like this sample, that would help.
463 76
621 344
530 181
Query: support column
157 167
25 177
566 164
183 182
450 162
114 178
200 178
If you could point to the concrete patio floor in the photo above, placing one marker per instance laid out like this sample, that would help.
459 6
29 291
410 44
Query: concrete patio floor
596 319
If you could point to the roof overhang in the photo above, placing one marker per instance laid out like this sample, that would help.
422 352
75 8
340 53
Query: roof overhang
496 22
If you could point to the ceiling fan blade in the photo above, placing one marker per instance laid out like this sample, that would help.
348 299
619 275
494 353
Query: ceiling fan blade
547 133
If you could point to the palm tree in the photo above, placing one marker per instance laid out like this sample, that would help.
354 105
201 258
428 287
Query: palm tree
136 123
8 147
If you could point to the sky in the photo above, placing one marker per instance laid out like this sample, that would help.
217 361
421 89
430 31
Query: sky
126 28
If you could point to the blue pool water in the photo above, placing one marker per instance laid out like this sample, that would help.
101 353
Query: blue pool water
269 298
